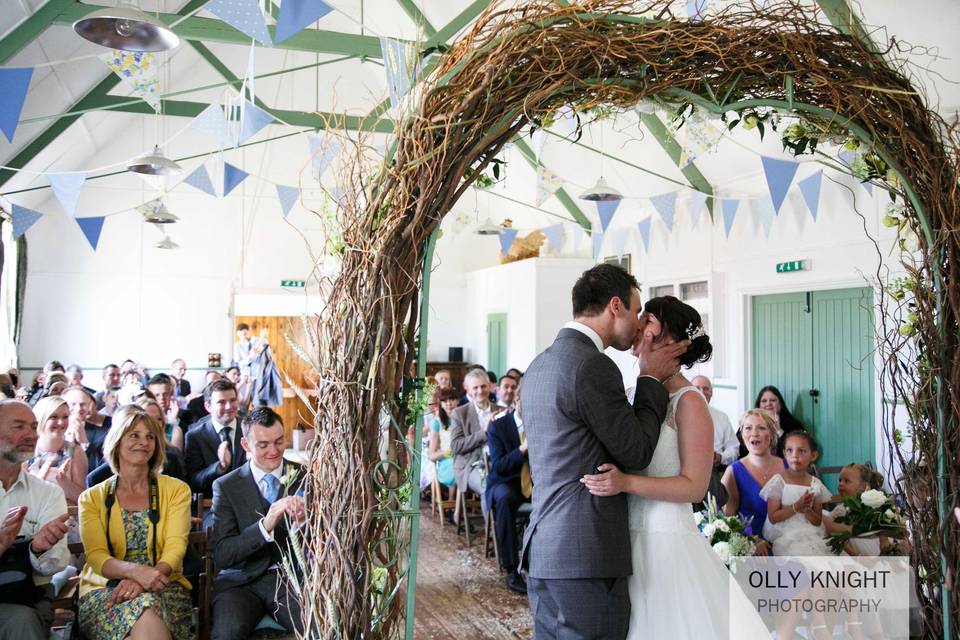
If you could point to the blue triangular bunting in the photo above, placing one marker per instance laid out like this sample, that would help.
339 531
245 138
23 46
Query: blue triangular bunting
242 15
288 197
15 83
212 122
323 150
666 206
297 15
67 187
766 213
91 228
698 201
779 174
399 66
810 189
554 234
22 219
232 176
507 236
868 186
697 9
606 209
597 243
254 119
200 179
847 157
729 213
620 242
577 236
644 227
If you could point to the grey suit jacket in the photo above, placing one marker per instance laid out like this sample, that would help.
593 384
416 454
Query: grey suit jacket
576 417
467 439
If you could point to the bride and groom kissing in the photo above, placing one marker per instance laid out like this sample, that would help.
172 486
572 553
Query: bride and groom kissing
611 549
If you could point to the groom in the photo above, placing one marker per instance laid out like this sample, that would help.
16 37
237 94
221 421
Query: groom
576 548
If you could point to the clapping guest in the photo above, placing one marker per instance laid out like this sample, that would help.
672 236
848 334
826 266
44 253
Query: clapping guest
81 431
213 445
111 382
55 459
134 528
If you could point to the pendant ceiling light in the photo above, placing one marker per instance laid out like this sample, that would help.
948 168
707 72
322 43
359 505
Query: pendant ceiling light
126 28
488 228
155 164
601 192
161 215
166 243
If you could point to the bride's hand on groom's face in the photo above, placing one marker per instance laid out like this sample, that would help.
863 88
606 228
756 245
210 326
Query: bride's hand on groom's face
609 482
660 360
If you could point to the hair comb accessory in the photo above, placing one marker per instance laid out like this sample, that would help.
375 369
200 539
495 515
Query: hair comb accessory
694 332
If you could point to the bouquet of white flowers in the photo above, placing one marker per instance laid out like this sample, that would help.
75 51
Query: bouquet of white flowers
729 536
869 515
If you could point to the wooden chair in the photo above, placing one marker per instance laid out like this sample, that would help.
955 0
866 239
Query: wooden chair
198 542
437 504
489 534
467 507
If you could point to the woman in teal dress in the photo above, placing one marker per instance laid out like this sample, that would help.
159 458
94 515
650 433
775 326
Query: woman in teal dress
440 453
134 528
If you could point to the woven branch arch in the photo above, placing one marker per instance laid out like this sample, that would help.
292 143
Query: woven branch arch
518 66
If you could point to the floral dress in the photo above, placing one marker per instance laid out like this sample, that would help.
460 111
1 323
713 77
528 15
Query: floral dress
101 620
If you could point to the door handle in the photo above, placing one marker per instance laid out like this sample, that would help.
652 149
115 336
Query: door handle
814 393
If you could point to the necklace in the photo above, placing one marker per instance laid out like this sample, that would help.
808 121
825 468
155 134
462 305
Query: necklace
764 476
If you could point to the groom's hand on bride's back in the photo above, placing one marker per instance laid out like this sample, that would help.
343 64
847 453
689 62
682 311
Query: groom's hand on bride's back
661 359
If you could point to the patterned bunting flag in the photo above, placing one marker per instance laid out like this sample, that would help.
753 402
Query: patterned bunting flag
644 227
547 184
507 236
323 150
15 83
666 206
67 187
297 15
200 179
244 16
23 219
253 120
213 123
810 189
779 174
554 234
400 63
288 197
729 208
698 202
232 177
700 134
606 209
597 243
765 213
137 70
91 228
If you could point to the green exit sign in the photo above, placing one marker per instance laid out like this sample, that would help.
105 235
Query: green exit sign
788 267
293 284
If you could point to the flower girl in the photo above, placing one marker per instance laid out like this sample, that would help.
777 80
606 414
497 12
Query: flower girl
794 498
854 480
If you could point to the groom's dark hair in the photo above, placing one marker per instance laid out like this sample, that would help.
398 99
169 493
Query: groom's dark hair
598 285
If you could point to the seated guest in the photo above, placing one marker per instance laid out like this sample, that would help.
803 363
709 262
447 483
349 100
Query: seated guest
33 529
244 386
468 433
134 528
746 476
75 377
81 431
162 388
771 400
111 382
173 466
439 451
195 406
55 459
42 380
726 446
181 386
507 392
508 456
250 505
514 373
213 445
443 379
465 396
109 404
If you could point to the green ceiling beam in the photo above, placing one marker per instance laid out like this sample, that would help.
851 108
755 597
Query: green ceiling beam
465 17
411 9
669 144
213 30
845 19
25 32
560 193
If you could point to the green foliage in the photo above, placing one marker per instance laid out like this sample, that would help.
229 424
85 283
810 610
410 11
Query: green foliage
866 521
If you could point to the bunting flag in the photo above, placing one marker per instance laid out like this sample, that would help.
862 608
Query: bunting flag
242 15
698 135
147 209
297 15
779 174
698 202
566 121
23 219
597 243
729 213
620 242
606 209
868 186
696 10
847 157
537 141
232 176
288 197
253 120
810 189
213 123
138 71
400 64
91 228
766 211
67 187
554 234
507 236
577 236
666 206
644 227
547 184
200 179
15 82
323 150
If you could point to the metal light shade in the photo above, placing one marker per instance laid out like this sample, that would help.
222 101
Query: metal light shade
161 216
166 243
488 229
126 28
601 192
155 164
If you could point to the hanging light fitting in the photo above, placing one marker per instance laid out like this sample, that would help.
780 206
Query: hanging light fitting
601 192
126 28
488 228
166 243
155 164
161 215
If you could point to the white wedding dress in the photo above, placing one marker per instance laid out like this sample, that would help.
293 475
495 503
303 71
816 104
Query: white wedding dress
679 588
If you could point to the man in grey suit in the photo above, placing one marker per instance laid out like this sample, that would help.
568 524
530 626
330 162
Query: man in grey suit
251 506
577 547
468 431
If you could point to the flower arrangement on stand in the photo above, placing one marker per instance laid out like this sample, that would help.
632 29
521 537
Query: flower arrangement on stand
729 536
872 514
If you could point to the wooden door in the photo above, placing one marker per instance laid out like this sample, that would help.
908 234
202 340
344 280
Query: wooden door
497 343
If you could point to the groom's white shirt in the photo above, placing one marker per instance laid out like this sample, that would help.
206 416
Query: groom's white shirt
587 331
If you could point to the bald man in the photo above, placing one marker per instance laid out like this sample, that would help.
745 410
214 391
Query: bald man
726 447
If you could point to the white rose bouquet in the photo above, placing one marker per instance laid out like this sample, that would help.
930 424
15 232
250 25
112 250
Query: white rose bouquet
871 514
728 535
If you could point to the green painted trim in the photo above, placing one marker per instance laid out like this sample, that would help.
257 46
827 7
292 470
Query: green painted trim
464 18
31 27
413 11
669 143
845 19
213 30
560 193
731 387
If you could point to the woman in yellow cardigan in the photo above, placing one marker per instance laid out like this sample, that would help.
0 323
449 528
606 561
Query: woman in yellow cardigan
132 585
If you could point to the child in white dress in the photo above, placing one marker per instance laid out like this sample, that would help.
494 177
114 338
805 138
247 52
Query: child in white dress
854 480
794 502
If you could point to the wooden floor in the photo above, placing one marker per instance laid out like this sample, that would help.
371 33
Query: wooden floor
461 594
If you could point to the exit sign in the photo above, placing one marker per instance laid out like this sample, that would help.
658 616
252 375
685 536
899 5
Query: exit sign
788 267
293 284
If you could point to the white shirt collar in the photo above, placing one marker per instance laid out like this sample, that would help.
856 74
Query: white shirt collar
259 473
516 418
220 427
480 411
22 479
587 331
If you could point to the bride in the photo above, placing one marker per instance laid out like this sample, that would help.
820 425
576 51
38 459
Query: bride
679 589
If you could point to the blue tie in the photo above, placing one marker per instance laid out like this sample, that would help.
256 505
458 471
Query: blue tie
271 488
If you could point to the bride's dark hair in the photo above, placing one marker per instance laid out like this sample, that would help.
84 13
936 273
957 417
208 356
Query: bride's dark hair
681 322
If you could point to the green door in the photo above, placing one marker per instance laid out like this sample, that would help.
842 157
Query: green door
497 343
817 348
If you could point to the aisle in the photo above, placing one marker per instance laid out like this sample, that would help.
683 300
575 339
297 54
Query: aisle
461 594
